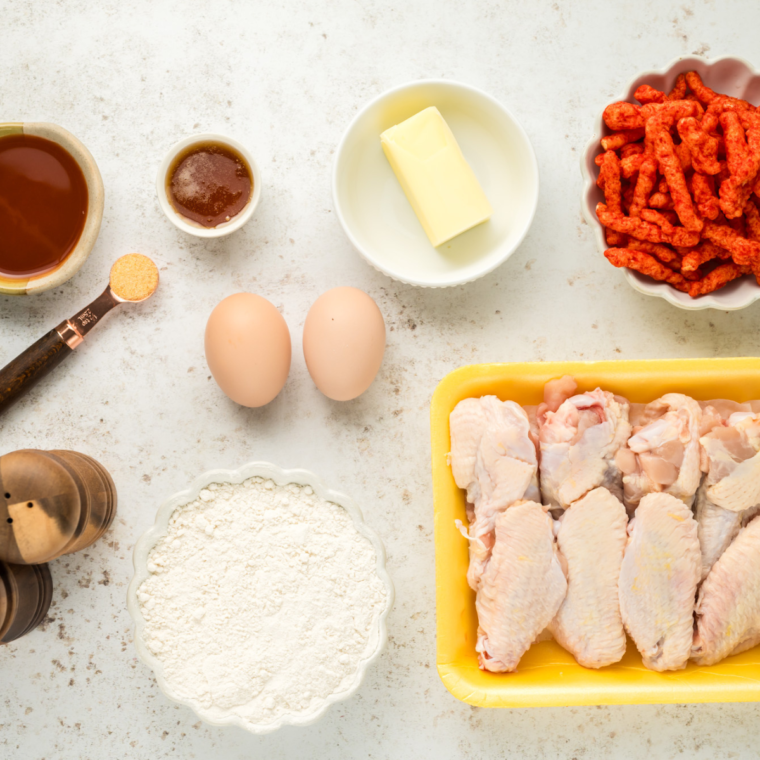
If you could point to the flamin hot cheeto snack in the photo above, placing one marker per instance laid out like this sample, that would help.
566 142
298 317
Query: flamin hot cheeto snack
680 173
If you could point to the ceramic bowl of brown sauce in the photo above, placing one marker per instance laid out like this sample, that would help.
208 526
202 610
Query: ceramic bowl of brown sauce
208 185
51 206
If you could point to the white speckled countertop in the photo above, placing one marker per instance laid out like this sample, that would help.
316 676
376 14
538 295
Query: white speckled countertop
129 79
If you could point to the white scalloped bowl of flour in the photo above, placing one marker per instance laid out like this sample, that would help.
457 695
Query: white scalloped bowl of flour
216 682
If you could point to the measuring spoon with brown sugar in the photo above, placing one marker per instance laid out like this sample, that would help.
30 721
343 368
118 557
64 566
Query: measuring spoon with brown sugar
134 278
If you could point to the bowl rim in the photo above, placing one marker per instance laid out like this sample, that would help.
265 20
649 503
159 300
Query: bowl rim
281 477
95 204
646 287
366 255
176 218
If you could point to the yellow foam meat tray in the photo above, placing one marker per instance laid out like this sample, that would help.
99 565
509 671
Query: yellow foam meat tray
547 674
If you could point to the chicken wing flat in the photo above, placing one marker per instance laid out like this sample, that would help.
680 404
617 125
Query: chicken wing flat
592 538
728 609
658 581
521 589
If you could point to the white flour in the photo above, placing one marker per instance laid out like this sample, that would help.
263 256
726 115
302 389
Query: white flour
261 600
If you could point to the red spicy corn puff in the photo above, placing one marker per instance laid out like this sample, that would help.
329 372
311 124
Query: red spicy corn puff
644 186
752 218
627 198
703 189
661 201
668 113
679 88
619 139
630 149
710 123
614 239
629 225
670 166
631 164
733 196
609 181
658 218
646 94
744 252
646 264
716 279
735 141
622 116
751 167
682 237
723 103
703 147
704 252
662 252
684 155
698 87
598 161
738 225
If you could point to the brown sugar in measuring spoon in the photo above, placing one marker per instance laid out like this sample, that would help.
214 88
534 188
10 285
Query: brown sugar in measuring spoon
134 278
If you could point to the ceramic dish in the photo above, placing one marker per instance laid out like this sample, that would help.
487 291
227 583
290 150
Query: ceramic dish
376 215
185 224
731 76
282 477
547 674
96 197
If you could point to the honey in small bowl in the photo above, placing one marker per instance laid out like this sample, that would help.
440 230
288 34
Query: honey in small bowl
43 205
209 183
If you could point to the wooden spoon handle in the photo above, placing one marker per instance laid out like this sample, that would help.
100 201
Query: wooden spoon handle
17 377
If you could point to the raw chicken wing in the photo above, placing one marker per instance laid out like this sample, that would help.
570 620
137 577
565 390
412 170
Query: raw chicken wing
578 442
728 610
664 453
730 493
521 589
658 581
494 458
592 538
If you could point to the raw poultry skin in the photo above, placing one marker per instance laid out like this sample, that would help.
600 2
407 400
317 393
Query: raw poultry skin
592 538
578 443
521 589
494 458
663 454
728 609
658 581
730 493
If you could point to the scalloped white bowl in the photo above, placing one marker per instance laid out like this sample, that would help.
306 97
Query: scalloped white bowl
281 477
730 76
380 222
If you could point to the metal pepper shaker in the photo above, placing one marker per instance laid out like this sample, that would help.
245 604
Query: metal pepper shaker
52 503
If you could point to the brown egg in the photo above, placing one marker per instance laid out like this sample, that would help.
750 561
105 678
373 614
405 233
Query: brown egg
343 342
248 349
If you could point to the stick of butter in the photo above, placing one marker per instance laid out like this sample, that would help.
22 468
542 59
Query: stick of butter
438 182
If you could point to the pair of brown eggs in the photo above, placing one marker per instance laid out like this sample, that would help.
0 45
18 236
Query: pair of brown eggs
248 347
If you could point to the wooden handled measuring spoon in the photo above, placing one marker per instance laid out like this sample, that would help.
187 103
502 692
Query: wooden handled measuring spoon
134 278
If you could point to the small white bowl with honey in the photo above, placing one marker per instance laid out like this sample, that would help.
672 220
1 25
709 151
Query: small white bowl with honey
208 185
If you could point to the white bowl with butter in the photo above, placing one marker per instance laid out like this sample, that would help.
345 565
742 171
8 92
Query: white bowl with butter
377 214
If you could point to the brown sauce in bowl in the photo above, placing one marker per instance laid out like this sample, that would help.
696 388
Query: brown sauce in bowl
209 183
43 205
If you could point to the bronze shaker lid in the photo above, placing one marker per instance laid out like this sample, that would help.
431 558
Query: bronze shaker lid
40 506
